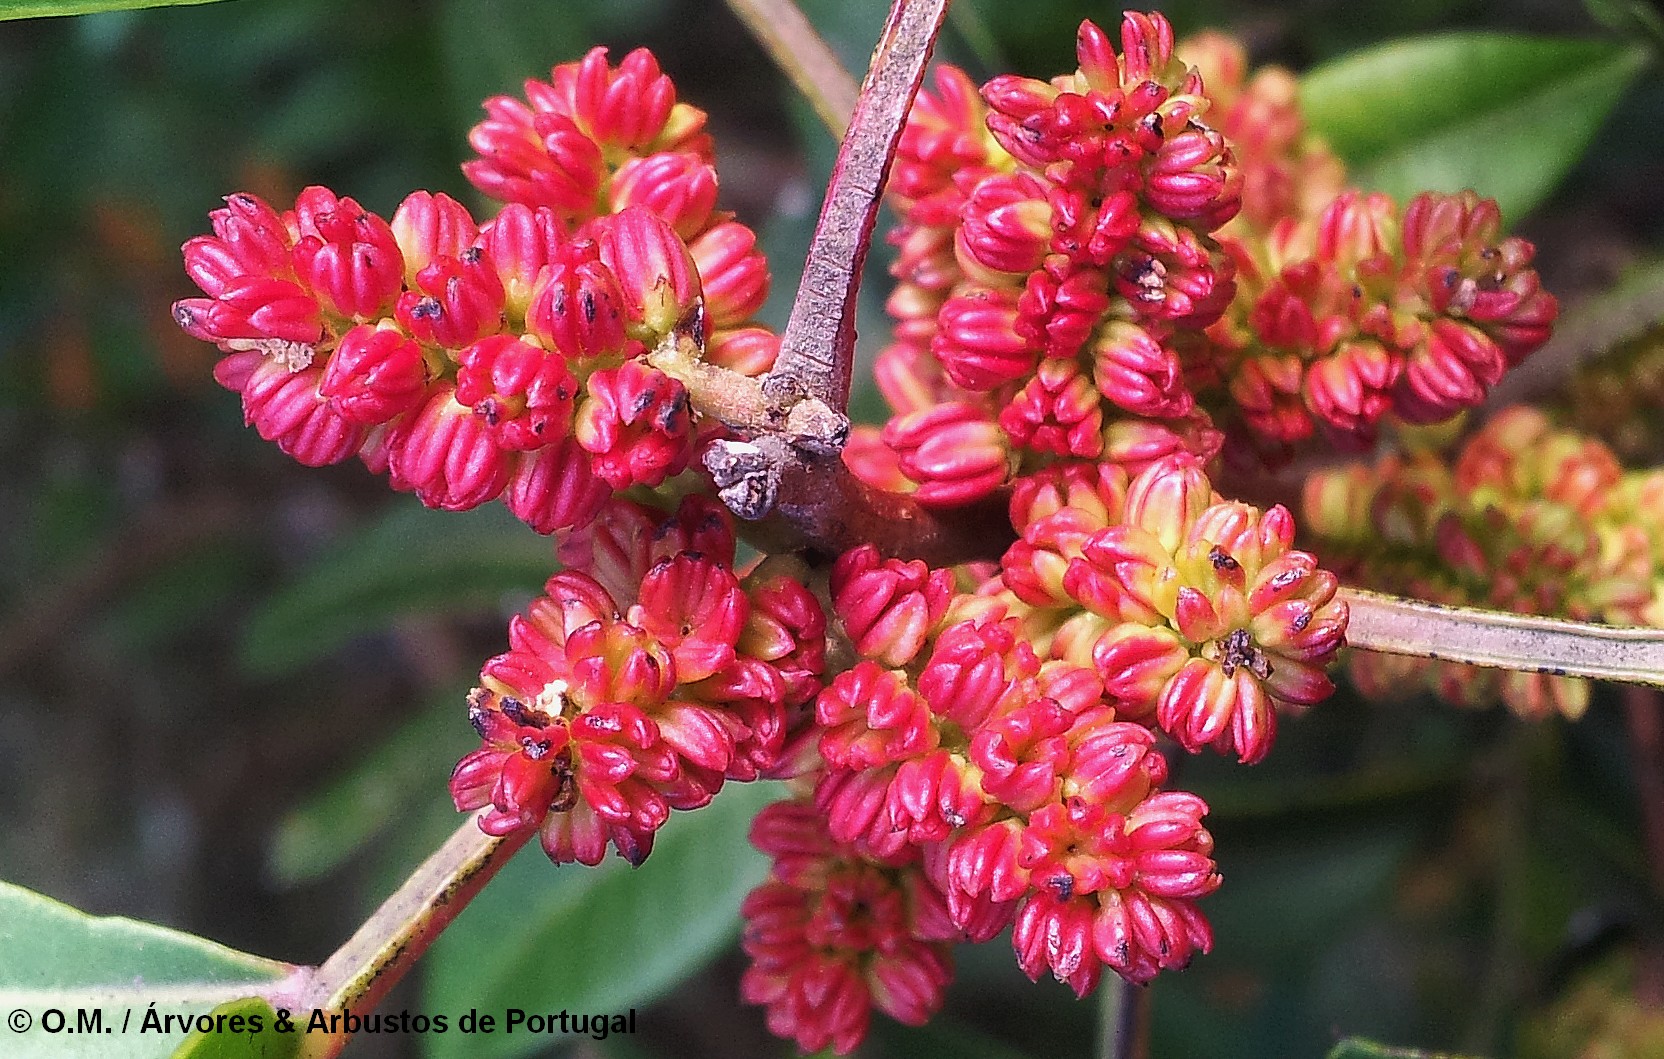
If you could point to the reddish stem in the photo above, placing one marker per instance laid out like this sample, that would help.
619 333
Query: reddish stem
1646 750
817 352
388 944
781 27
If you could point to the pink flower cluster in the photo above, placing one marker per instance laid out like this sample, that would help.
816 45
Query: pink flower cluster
639 687
1349 309
1364 312
1054 245
984 754
1197 612
1106 265
469 360
833 935
1522 516
990 758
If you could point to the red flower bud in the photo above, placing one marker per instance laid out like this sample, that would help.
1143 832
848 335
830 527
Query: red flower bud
519 241
428 226
286 408
1057 934
346 255
634 421
1138 373
445 454
523 393
1006 228
678 186
535 159
732 272
696 610
978 344
375 375
655 272
252 240
870 718
457 301
952 451
555 488
576 307
888 607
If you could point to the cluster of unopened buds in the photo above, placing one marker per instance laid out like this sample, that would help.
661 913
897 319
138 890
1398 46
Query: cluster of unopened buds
992 758
1126 261
1102 280
471 361
639 685
1523 516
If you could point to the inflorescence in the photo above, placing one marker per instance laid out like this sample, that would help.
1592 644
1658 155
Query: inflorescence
1104 282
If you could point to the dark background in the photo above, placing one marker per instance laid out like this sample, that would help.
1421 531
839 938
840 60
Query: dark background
1409 872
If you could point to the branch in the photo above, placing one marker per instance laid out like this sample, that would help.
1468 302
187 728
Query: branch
1123 1010
1503 640
785 467
818 349
388 944
1646 749
156 537
804 55
824 505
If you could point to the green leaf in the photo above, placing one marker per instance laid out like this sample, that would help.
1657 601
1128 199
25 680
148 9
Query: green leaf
236 1040
1358 1048
53 957
414 561
545 939
381 790
1505 115
38 8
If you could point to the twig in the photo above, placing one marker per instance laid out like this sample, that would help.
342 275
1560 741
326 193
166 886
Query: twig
1503 640
818 349
1122 1021
805 57
1645 711
825 505
388 944
785 466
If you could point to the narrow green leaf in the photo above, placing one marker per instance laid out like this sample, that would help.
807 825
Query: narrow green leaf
1505 115
414 561
381 790
245 1029
589 940
38 8
127 974
1358 1048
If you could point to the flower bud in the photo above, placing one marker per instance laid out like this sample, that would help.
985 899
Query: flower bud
523 393
375 375
732 272
656 274
678 186
634 422
457 300
428 226
576 307
977 342
346 255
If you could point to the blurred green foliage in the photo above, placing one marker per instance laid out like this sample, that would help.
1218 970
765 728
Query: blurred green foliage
216 667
